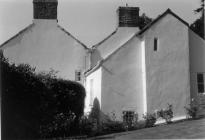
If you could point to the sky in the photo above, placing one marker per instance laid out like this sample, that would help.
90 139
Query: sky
88 20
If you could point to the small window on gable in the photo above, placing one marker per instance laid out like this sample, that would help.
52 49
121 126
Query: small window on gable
200 82
155 44
78 75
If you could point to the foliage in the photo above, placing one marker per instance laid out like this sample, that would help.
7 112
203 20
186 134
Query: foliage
38 105
112 116
150 119
20 100
144 20
59 127
198 25
192 110
112 127
201 8
90 127
137 125
140 124
130 118
166 114
95 112
86 126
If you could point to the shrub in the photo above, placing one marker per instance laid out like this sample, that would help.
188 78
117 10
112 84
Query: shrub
137 125
166 114
150 119
112 127
21 92
60 126
129 118
90 127
86 126
192 110
38 105
95 111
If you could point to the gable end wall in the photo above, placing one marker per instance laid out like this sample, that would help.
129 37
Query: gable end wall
167 69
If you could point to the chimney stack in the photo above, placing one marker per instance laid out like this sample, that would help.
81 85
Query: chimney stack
45 9
128 16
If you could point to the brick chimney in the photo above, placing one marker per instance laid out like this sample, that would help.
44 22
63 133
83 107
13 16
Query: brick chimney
45 9
128 16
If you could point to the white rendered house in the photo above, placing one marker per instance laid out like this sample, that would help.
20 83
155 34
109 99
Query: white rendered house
130 70
46 45
143 71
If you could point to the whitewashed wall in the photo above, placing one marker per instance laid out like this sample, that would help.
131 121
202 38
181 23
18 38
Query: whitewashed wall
120 36
45 46
96 78
122 88
167 70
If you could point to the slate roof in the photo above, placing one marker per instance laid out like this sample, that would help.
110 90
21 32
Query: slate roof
115 40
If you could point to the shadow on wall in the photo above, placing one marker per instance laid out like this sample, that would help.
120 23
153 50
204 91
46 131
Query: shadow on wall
95 57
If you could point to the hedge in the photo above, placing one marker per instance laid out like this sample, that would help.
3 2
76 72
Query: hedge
38 105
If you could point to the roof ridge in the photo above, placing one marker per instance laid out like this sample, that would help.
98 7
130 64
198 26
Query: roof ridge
100 63
17 34
167 11
161 16
64 30
138 33
91 70
106 38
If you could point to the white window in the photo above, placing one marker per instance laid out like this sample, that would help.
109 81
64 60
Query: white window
78 75
200 82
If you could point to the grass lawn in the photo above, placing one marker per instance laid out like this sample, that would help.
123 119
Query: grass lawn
190 129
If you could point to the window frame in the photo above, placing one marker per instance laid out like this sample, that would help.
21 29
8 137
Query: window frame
78 75
156 43
129 116
200 83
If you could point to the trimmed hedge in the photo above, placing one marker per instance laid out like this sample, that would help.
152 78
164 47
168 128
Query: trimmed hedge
38 105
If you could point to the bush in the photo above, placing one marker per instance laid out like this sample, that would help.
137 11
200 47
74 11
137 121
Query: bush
150 119
38 105
112 127
129 118
192 110
90 127
138 125
86 126
166 114
107 125
95 111
60 126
